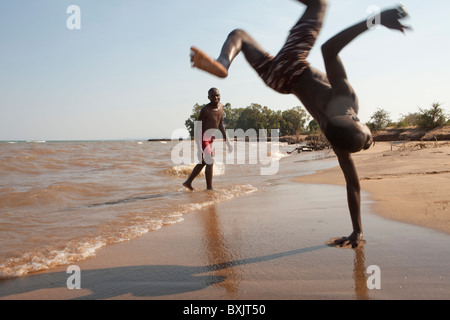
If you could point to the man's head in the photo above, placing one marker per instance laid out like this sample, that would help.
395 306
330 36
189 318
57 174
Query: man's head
214 96
348 133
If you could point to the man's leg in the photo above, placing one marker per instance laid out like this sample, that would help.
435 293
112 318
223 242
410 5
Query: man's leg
302 37
195 172
315 9
307 2
209 176
239 40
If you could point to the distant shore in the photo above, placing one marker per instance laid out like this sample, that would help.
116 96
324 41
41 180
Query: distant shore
391 134
158 140
412 134
386 135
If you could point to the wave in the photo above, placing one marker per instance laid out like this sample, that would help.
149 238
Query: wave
52 194
125 229
76 250
61 202
186 169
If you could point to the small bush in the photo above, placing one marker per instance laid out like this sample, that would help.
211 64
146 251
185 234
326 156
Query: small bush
408 120
432 118
379 120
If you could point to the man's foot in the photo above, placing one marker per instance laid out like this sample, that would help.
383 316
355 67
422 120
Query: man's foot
202 61
390 18
188 186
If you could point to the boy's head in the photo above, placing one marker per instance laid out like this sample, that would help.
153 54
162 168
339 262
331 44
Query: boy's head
348 133
214 95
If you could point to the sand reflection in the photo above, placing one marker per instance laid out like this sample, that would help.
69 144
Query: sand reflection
222 258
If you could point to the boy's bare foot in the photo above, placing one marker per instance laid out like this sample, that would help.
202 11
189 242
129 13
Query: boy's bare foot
202 61
188 186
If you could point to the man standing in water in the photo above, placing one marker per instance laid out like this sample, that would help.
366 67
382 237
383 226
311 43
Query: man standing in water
210 119
329 97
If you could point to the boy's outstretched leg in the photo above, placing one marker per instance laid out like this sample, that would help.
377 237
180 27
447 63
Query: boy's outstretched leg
237 41
201 60
307 2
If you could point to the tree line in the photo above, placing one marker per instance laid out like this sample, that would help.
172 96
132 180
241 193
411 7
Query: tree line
296 121
293 121
428 119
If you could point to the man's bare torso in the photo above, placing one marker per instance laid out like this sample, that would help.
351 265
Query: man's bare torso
211 116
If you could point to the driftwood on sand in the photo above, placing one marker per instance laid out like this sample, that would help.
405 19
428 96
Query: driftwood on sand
313 143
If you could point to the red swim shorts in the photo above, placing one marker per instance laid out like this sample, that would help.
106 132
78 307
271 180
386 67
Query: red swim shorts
207 144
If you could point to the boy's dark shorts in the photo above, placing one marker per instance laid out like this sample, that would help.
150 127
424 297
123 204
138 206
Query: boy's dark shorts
281 72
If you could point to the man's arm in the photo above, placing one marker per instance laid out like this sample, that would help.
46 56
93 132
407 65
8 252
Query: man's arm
224 135
353 198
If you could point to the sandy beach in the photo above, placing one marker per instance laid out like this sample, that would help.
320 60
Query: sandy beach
271 245
409 181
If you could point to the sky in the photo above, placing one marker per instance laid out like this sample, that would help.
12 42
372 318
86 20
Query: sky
125 73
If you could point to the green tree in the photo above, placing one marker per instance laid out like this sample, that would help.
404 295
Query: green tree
379 120
313 126
410 119
275 118
252 117
231 116
289 122
432 118
293 121
189 123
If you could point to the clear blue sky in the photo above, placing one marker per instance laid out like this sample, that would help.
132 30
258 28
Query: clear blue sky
126 72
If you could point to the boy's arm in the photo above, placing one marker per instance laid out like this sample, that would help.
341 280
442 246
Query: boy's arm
224 134
335 69
353 198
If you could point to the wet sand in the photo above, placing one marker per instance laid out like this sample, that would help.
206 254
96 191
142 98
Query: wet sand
409 182
272 245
